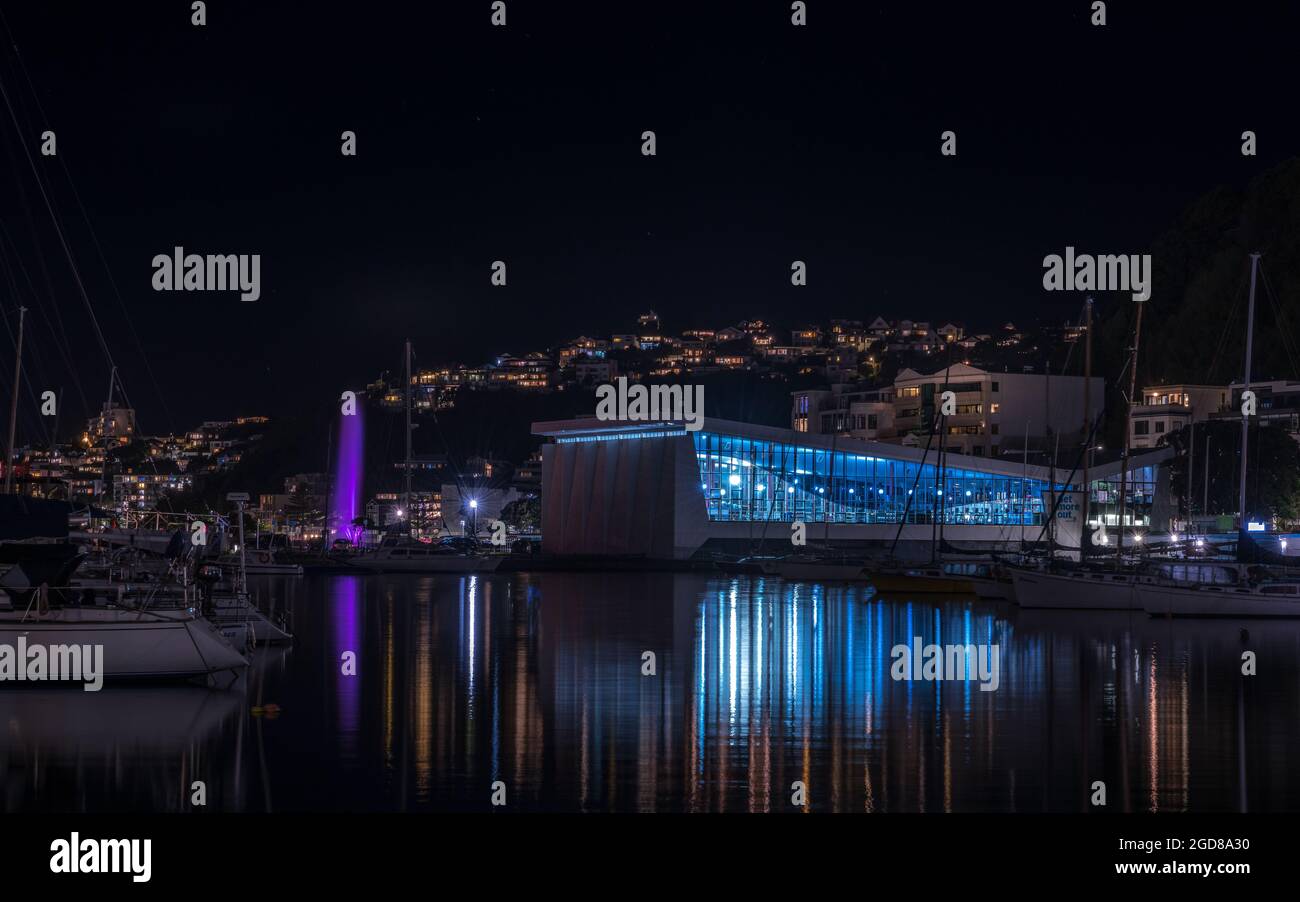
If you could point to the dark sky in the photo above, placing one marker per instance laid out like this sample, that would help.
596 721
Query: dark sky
476 143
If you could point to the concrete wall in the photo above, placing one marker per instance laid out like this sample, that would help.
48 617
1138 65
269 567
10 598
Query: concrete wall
1021 398
611 497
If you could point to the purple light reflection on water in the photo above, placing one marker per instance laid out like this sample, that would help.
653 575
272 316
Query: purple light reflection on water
346 618
345 501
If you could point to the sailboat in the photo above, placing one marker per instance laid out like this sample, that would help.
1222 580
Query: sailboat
825 565
1171 588
936 577
161 644
407 554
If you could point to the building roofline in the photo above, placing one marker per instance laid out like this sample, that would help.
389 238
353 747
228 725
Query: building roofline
952 460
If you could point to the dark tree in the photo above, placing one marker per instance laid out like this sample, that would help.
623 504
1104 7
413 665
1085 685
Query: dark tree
1272 472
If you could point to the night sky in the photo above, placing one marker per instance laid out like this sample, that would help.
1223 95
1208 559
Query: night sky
522 143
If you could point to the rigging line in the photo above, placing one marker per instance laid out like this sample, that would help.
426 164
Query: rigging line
51 294
63 242
32 361
39 305
1223 333
24 378
114 373
29 418
35 359
59 336
58 317
94 237
1283 326
126 316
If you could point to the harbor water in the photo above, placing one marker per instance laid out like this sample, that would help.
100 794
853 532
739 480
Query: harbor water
677 692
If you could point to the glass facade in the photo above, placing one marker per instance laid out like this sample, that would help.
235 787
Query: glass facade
1140 491
755 479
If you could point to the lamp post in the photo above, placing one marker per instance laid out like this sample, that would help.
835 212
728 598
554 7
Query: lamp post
473 513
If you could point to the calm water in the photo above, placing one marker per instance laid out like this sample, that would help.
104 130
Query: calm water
535 680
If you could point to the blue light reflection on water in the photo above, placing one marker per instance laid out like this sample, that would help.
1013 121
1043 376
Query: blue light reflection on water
536 680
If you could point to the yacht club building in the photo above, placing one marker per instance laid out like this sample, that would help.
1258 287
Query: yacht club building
659 491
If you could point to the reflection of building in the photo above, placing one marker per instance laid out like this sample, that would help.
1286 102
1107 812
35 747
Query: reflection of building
655 489
1168 408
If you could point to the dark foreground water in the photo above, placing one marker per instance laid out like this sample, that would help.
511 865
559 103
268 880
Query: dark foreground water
536 681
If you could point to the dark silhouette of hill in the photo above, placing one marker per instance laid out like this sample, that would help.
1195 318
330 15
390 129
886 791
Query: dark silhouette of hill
1194 325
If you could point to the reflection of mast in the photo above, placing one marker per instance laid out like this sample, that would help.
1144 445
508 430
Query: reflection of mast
410 517
13 404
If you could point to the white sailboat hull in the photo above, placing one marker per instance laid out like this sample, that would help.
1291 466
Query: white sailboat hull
1225 601
228 611
136 645
1084 590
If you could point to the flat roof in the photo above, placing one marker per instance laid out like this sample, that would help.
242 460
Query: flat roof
1001 466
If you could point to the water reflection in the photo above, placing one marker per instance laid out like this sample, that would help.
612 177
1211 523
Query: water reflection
537 680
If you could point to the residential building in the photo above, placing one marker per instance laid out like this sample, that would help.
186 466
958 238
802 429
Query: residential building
1168 408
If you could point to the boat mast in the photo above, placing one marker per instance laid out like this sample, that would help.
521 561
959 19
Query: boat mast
13 404
406 501
1051 462
103 428
1245 418
1087 425
1205 496
1128 429
830 479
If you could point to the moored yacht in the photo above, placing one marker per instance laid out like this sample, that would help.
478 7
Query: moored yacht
941 579
138 644
814 567
422 557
